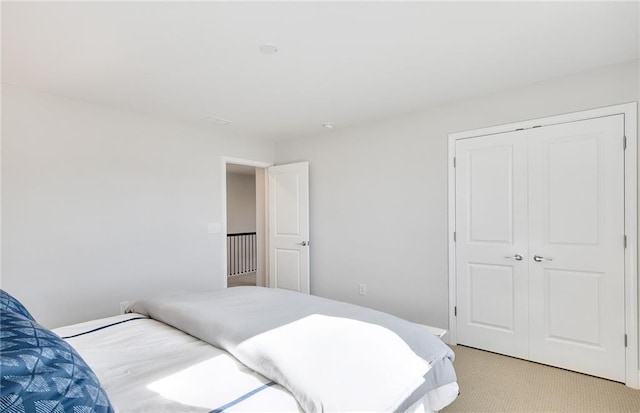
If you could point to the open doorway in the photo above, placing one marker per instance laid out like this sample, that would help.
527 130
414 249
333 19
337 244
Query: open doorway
282 244
245 195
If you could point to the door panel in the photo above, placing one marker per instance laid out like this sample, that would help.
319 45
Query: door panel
574 321
491 227
289 226
490 193
576 192
573 206
287 195
491 281
288 266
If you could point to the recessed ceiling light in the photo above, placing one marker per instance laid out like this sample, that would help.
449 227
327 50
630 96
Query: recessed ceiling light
328 125
268 48
215 119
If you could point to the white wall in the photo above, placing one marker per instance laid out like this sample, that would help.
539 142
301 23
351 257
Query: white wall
241 203
101 206
379 191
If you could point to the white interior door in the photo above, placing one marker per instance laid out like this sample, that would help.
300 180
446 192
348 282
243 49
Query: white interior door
576 215
554 195
289 227
491 243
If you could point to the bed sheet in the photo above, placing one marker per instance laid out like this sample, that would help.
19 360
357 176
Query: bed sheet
145 365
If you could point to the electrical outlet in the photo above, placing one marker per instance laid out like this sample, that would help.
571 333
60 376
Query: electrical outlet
363 289
123 306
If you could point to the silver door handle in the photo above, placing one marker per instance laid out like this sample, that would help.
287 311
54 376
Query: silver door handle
304 243
538 258
516 257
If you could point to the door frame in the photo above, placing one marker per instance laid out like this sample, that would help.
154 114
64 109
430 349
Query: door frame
256 164
630 112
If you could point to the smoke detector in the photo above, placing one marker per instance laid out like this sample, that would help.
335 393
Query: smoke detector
268 48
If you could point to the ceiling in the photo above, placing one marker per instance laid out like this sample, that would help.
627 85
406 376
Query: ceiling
341 62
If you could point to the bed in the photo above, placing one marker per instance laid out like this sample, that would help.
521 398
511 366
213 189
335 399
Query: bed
253 349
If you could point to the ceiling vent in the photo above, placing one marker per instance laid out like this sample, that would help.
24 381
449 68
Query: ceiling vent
217 120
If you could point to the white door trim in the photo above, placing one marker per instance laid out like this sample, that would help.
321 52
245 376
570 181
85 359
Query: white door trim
629 110
236 161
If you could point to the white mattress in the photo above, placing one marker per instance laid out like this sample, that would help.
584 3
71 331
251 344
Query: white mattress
145 365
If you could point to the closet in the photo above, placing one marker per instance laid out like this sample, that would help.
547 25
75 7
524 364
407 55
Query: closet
539 250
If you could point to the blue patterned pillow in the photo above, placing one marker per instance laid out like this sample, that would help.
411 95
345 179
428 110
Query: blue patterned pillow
9 303
42 373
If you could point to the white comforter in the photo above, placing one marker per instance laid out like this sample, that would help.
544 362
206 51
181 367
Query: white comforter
332 356
334 364
146 366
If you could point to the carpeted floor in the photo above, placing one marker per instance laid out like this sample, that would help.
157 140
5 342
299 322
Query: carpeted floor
493 383
240 280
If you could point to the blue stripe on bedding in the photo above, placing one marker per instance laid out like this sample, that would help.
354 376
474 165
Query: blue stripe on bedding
242 398
107 326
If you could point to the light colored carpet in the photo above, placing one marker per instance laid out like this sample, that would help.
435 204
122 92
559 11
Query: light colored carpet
494 383
239 280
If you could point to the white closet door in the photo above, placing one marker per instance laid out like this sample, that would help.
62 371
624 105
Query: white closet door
491 228
576 224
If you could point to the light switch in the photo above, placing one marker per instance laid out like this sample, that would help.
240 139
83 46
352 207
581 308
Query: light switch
214 227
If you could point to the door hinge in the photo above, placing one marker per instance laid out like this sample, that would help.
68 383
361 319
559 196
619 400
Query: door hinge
624 142
455 312
625 340
454 236
625 241
454 161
